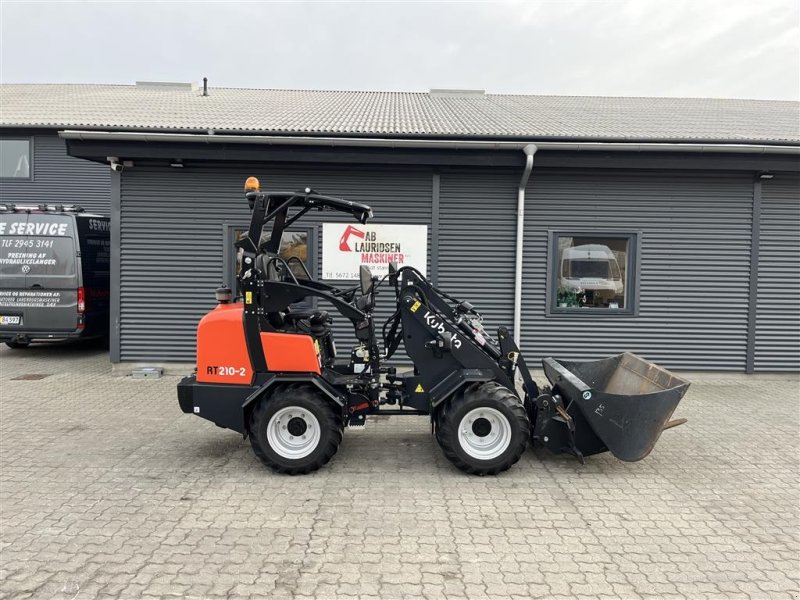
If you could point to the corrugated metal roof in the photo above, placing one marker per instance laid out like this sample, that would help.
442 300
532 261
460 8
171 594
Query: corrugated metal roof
175 108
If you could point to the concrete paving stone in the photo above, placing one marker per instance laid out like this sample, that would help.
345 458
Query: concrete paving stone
433 591
108 491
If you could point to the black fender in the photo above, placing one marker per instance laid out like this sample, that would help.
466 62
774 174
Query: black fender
229 405
273 379
456 380
453 383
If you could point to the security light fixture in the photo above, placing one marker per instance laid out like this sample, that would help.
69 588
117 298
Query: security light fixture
177 164
766 175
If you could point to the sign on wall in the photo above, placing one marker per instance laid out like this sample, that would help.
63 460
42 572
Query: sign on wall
345 247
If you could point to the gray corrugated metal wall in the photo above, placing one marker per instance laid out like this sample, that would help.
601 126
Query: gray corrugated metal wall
58 178
172 239
777 342
477 240
695 253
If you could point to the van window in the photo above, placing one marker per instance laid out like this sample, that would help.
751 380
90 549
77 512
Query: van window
43 245
9 222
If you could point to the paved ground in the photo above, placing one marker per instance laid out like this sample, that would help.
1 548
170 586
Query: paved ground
107 490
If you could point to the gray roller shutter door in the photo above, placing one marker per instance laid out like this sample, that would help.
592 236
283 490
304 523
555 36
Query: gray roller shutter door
694 279
60 179
172 240
777 342
477 240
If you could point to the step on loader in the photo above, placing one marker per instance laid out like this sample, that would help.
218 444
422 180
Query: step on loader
269 371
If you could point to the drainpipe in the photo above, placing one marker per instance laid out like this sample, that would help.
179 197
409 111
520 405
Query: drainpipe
529 151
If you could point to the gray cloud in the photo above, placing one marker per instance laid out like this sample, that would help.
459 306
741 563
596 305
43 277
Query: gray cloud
715 48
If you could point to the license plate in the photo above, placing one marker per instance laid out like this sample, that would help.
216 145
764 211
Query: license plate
10 320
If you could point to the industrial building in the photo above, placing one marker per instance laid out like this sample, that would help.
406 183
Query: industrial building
668 227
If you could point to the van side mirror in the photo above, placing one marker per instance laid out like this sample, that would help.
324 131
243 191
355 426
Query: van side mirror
365 275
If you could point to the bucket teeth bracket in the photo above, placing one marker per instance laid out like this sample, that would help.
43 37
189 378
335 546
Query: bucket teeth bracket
554 428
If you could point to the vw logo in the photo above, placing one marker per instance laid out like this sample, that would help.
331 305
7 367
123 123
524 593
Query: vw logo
26 269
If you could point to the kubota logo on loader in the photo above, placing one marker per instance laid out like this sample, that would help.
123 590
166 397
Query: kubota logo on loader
438 326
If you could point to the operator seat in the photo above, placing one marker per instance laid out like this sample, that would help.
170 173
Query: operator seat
311 322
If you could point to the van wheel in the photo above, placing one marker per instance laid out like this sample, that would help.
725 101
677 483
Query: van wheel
18 345
484 429
295 430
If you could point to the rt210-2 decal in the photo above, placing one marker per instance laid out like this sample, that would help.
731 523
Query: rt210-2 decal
227 371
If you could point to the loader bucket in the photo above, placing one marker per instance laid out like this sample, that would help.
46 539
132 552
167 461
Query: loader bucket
625 400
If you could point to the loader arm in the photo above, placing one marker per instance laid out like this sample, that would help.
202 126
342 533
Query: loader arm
448 345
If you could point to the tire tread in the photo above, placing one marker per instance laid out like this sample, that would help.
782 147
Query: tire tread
332 422
447 434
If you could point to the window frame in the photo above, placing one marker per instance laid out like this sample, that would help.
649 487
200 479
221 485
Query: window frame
21 138
228 254
632 274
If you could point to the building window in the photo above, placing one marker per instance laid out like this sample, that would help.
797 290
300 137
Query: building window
295 244
15 159
593 273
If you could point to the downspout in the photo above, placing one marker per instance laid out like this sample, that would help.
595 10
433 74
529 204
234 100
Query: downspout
529 151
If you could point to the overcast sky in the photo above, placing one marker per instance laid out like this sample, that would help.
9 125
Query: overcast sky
724 49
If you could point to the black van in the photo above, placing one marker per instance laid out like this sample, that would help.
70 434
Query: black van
54 274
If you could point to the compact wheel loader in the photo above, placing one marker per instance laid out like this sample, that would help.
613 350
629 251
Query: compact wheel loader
270 371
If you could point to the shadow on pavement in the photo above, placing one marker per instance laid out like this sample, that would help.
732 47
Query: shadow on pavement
67 347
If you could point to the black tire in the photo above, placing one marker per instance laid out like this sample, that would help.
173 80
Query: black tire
18 345
511 424
438 426
316 412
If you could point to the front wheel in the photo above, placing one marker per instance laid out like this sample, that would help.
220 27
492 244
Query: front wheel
295 430
484 429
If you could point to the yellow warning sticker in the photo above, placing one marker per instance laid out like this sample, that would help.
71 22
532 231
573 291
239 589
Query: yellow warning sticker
415 306
248 297
419 389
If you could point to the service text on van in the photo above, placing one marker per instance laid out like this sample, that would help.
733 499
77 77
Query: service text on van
33 228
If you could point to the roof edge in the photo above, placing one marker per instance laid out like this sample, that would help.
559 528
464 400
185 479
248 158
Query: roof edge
448 143
396 136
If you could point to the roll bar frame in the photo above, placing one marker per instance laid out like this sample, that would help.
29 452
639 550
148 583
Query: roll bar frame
263 295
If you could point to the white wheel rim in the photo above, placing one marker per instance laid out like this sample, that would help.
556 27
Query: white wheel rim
484 433
293 432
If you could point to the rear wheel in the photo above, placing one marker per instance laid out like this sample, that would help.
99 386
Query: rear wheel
18 345
483 429
295 430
